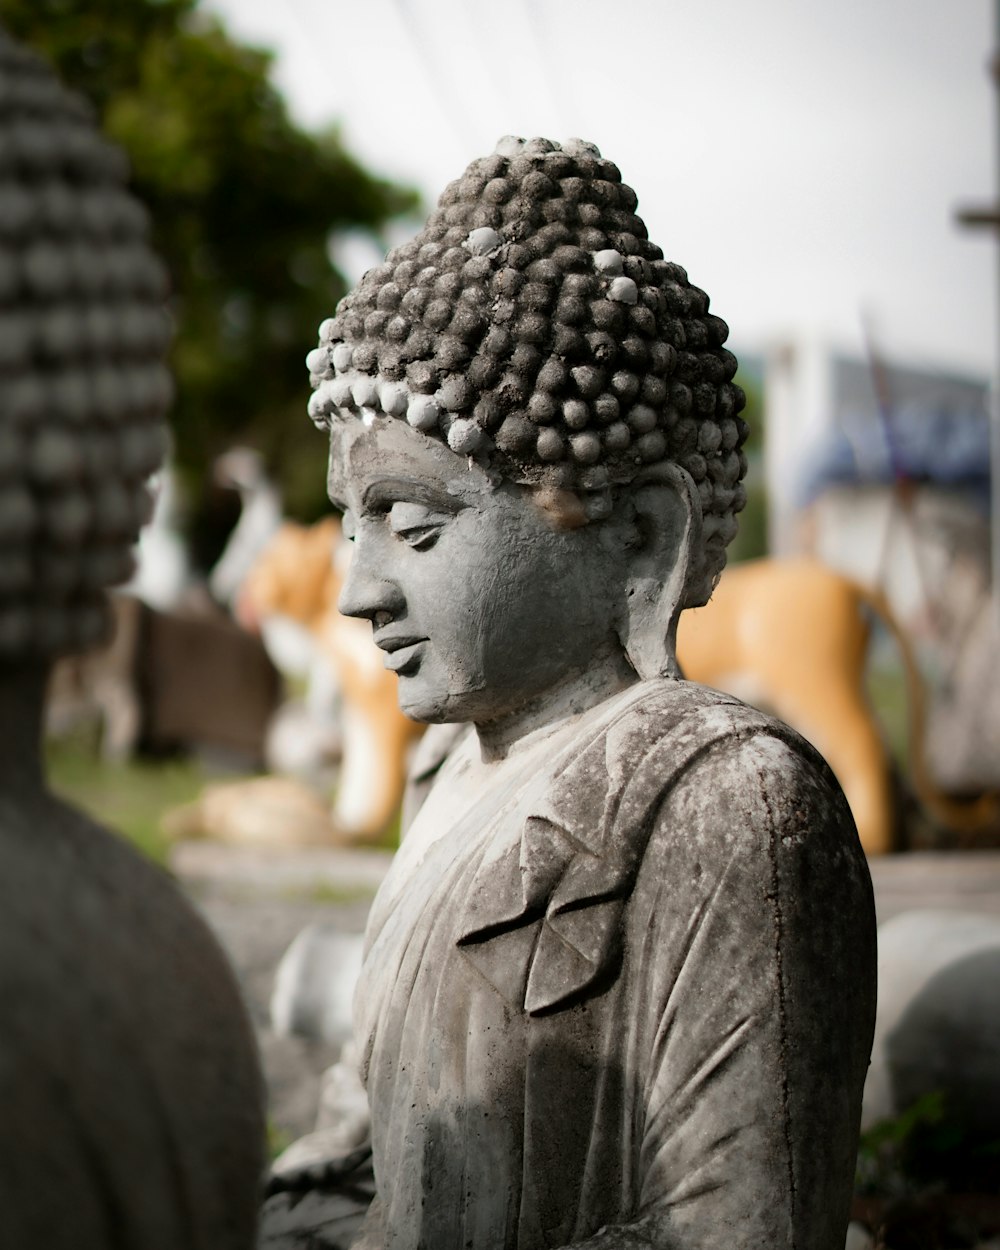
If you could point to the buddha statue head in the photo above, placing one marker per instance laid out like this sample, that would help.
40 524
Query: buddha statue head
83 383
535 438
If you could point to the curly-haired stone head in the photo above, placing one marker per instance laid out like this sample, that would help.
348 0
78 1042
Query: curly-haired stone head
613 876
83 387
533 326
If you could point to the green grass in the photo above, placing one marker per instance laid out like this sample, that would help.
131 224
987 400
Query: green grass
887 694
388 839
278 1139
327 892
133 796
130 797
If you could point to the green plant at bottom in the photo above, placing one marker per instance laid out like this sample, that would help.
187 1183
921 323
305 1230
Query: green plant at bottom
926 1149
884 1148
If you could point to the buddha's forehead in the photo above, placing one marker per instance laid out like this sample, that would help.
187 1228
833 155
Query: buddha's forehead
363 455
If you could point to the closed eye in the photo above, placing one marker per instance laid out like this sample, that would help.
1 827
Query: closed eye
417 525
422 537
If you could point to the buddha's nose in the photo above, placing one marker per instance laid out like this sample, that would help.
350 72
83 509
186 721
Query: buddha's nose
366 593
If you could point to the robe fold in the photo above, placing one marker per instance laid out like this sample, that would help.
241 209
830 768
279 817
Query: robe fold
630 986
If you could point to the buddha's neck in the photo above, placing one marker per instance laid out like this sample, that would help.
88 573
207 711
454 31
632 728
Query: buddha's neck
573 694
22 701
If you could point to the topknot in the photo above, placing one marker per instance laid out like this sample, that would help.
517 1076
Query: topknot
83 387
535 327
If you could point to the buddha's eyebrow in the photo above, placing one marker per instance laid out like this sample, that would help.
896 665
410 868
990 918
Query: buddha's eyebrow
390 490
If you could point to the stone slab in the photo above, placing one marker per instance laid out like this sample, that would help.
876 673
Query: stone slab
315 871
954 880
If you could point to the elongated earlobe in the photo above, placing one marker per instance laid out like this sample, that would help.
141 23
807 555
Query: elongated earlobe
668 515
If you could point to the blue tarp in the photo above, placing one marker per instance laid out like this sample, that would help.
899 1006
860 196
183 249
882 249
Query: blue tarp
941 437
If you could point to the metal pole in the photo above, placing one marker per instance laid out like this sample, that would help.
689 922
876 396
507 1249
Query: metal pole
995 396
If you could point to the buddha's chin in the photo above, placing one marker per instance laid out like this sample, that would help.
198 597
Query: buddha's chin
421 698
421 701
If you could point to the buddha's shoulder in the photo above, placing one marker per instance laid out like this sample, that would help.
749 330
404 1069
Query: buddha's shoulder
687 712
700 737
675 775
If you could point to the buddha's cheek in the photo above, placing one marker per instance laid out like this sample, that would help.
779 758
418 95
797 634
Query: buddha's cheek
508 614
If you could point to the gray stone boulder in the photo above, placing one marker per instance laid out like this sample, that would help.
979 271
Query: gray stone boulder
938 1023
314 985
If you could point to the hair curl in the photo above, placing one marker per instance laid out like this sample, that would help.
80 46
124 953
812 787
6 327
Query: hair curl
533 325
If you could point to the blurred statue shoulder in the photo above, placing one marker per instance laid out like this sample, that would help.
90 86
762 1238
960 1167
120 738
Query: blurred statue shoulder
125 1039
128 1073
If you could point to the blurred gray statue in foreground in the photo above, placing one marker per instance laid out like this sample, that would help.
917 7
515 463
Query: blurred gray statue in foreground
129 1088
618 986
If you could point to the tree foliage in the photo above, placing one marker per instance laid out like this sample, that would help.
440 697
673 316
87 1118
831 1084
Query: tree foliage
751 541
243 203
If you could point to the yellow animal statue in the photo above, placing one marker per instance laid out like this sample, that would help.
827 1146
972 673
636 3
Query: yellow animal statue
792 636
299 575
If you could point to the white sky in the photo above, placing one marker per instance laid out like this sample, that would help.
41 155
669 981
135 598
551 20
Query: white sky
801 158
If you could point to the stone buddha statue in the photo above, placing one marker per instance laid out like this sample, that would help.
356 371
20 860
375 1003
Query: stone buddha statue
618 986
129 1086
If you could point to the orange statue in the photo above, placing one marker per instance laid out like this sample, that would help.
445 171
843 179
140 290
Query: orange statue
299 575
792 636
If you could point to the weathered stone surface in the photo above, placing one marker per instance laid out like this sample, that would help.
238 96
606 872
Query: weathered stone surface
618 985
322 1185
83 380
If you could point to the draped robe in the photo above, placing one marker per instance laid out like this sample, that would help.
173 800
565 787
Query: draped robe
623 983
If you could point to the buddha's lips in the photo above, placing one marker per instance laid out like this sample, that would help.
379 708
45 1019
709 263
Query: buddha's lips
400 649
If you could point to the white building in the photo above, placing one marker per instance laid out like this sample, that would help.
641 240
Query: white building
882 473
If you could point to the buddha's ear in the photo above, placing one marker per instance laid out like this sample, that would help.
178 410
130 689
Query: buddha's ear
668 520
